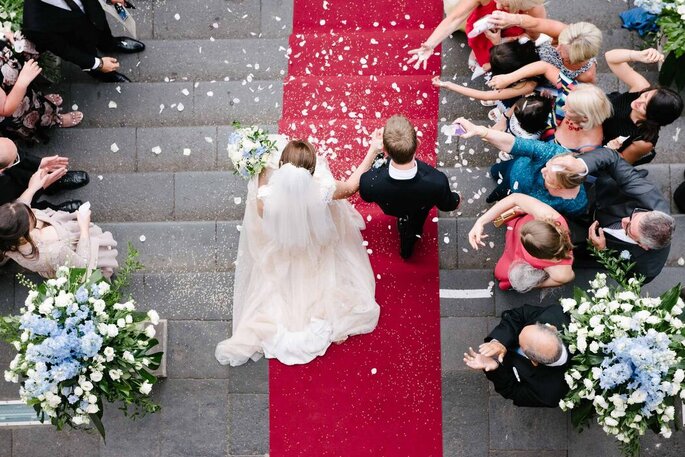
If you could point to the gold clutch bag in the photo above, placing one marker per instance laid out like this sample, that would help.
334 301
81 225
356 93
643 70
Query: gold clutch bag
506 216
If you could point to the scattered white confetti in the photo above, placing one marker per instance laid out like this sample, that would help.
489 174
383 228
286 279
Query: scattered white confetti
374 371
157 150
677 134
322 22
209 139
210 94
74 107
142 238
112 104
118 89
365 243
114 147
237 200
180 107
186 151
368 218
100 177
215 25
177 17
185 92
435 219
369 251
446 240
378 276
681 261
161 108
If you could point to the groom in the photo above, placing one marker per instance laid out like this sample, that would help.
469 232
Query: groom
405 187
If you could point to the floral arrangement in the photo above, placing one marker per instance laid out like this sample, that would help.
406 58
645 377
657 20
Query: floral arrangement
628 355
668 18
250 149
78 343
10 15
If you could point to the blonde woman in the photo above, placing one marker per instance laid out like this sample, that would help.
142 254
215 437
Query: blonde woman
538 251
471 11
577 45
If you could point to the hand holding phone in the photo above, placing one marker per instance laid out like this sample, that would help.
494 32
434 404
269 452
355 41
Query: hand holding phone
459 130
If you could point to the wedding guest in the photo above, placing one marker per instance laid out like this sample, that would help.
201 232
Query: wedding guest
524 356
578 44
579 109
303 278
43 240
405 187
76 30
17 168
26 113
471 11
537 252
639 114
533 170
630 212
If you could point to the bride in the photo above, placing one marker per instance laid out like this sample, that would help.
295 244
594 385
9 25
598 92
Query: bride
303 278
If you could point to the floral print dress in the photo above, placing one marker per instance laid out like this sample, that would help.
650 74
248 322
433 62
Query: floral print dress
35 114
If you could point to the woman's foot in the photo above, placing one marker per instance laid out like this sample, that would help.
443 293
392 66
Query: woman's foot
55 99
70 119
504 156
494 115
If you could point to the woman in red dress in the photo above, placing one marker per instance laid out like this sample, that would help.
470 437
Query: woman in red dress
537 252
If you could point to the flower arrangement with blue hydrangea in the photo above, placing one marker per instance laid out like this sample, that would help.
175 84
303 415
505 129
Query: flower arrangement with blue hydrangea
628 361
79 344
250 149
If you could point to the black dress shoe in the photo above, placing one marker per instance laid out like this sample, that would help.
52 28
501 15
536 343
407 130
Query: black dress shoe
111 77
70 181
127 45
68 207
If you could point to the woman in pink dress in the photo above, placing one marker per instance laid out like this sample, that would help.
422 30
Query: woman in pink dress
537 252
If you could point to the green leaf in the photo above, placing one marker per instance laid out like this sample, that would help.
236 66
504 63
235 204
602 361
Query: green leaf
670 298
98 425
581 414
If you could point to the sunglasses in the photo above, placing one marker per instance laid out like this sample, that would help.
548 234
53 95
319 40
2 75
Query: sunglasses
630 220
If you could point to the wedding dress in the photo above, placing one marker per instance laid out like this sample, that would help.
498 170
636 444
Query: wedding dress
303 278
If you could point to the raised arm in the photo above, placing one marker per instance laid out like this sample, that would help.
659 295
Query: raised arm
10 102
536 25
531 70
347 188
503 94
619 62
501 140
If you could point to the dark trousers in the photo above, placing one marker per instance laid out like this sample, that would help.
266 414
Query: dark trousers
679 197
500 173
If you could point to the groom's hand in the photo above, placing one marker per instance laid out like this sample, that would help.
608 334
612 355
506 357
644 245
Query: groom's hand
377 139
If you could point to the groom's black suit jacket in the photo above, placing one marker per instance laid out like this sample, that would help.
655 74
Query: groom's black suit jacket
72 35
517 378
411 197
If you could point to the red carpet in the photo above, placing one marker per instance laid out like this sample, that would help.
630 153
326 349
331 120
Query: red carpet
378 394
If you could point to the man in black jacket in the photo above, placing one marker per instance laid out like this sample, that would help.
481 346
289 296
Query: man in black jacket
630 213
524 356
16 169
405 187
76 30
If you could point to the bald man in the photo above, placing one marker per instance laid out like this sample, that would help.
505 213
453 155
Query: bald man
16 169
524 356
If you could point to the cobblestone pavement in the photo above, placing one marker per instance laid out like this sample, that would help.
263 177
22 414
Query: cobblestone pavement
159 174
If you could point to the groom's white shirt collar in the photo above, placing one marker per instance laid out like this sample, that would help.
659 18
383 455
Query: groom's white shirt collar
403 175
62 4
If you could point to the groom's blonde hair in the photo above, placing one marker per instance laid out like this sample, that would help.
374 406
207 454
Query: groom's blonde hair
300 153
399 139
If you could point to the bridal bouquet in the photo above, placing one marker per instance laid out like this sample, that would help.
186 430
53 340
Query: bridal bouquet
78 344
250 149
628 356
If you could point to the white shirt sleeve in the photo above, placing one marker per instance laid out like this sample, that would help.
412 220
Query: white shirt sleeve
584 173
97 63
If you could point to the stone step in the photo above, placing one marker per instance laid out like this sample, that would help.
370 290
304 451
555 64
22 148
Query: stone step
166 104
182 196
200 60
134 149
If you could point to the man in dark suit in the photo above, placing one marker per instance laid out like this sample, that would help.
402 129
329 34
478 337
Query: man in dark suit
524 356
630 213
16 170
76 30
405 187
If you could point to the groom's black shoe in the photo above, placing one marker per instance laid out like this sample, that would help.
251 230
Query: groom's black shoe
127 45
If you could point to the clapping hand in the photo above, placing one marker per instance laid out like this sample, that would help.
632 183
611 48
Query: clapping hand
28 73
596 236
650 55
476 235
54 162
479 362
420 55
42 178
493 349
377 140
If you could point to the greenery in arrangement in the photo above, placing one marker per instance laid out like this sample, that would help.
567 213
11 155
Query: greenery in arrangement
669 17
628 352
11 14
250 149
79 343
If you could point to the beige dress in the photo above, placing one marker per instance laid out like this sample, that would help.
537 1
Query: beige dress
69 249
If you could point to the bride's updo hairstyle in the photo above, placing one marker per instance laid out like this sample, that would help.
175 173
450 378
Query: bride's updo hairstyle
546 240
16 220
300 153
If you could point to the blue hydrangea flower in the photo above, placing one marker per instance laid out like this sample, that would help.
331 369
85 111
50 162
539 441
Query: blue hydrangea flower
234 138
81 295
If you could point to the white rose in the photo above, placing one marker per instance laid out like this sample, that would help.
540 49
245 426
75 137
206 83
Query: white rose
115 374
665 431
602 292
676 310
595 321
92 408
46 307
24 336
109 354
610 421
99 306
112 330
102 328
96 376
594 347
80 420
588 384
678 376
92 398
128 319
78 391
583 308
64 299
150 331
153 316
127 356
129 306
87 386
582 345
676 323
638 396
145 388
601 402
568 304
669 412
573 327
17 345
627 307
103 288
121 322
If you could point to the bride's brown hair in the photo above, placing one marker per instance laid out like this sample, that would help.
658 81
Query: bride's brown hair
300 153
15 226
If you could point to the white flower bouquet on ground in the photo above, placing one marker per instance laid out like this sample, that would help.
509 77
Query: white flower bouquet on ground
78 343
251 149
628 356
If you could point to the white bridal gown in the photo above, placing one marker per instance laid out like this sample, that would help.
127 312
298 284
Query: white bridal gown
303 278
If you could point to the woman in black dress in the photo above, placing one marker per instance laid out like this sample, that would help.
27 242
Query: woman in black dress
633 130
